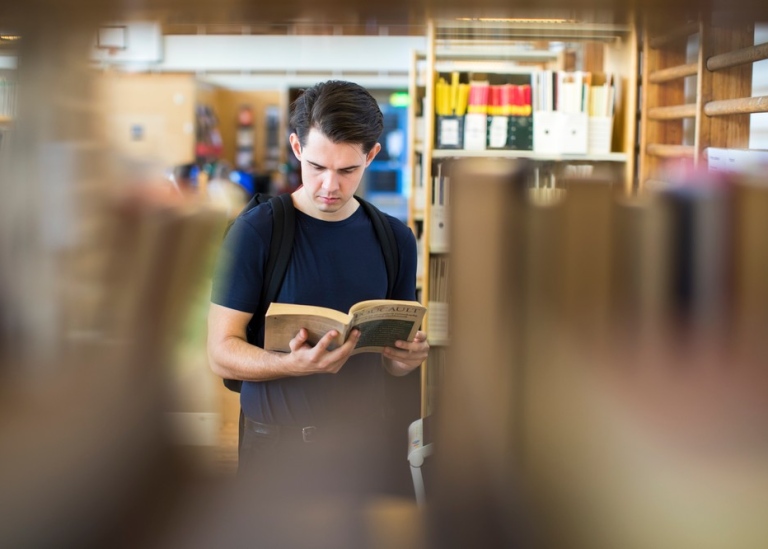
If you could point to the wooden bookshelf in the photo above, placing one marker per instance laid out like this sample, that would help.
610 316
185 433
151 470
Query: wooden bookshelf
531 155
609 48
718 55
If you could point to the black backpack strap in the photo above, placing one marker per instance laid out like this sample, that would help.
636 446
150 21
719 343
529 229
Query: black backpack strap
255 200
280 248
386 237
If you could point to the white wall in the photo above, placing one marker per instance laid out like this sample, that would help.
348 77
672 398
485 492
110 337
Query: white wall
256 62
288 53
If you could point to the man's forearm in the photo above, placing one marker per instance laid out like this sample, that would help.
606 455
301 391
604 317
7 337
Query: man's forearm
235 358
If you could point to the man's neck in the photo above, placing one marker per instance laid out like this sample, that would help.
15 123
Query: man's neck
304 204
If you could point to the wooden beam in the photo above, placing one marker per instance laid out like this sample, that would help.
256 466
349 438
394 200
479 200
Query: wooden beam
671 151
738 57
675 112
673 73
744 105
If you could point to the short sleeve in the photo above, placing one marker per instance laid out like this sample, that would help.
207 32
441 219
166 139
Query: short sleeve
239 272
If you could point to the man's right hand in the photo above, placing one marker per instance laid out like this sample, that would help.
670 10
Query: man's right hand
318 359
232 357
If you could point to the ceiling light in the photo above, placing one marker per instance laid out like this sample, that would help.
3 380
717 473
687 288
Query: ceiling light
514 20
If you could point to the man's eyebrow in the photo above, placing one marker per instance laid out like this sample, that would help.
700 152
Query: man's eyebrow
320 166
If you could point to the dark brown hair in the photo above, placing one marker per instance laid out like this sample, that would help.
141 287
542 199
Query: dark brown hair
343 111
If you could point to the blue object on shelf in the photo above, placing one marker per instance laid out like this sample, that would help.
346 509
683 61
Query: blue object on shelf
244 179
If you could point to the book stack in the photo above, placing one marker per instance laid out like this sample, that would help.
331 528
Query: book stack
450 106
476 119
601 101
478 115
573 112
498 117
509 117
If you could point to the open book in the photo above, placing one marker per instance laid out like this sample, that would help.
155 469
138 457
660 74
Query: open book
381 323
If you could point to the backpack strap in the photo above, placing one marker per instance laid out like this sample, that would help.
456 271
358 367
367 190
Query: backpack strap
280 248
386 237
255 200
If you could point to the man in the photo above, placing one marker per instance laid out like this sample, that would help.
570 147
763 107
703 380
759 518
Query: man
313 406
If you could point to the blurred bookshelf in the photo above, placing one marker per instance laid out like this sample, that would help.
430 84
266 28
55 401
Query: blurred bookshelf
697 77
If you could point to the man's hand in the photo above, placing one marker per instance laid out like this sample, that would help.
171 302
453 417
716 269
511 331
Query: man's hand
306 359
232 357
405 356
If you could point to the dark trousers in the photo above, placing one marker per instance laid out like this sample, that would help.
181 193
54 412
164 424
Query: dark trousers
362 459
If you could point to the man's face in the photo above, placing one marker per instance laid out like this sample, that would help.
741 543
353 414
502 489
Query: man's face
331 173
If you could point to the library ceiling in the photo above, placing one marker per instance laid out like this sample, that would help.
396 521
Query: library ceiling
353 16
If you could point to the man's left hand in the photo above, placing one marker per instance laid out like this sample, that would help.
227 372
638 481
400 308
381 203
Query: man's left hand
406 356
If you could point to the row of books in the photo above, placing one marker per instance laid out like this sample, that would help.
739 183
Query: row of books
563 91
477 97
542 132
501 99
575 92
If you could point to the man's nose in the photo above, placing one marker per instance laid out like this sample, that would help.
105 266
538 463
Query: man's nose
330 181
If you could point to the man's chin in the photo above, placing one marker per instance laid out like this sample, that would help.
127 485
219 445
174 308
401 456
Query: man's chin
329 207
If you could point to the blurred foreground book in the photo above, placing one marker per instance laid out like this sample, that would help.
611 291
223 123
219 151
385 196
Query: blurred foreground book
86 456
617 396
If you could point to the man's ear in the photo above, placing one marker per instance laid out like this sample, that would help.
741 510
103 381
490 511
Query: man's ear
372 154
295 145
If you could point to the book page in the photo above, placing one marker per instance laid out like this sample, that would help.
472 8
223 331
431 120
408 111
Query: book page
383 322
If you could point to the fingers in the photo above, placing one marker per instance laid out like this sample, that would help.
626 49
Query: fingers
299 340
318 358
419 344
351 342
413 353
326 340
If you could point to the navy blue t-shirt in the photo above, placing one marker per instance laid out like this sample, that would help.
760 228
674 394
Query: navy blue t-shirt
333 264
